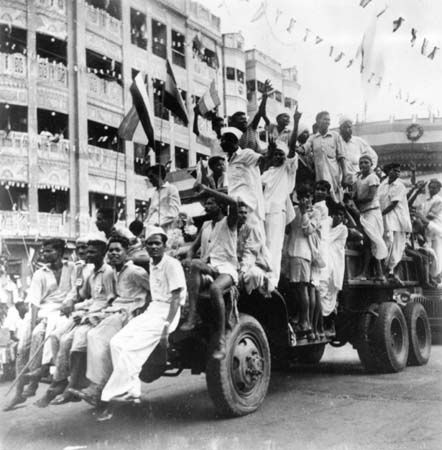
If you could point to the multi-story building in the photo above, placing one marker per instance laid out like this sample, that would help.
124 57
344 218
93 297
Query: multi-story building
65 71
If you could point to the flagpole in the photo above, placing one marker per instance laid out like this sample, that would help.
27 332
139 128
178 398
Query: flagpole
161 142
115 182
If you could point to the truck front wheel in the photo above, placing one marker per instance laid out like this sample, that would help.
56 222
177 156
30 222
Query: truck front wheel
238 384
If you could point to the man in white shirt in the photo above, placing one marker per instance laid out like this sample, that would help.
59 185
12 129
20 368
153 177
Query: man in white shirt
325 147
132 346
397 223
354 147
243 175
165 202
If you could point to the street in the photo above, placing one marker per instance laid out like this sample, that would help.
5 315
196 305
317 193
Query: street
333 405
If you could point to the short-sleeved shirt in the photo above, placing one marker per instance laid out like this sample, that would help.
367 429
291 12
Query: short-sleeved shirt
164 205
278 183
99 288
131 286
244 179
303 225
399 218
353 150
326 151
45 293
165 277
362 186
433 206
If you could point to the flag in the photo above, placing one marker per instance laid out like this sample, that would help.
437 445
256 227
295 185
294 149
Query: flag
291 25
424 46
432 54
172 97
397 23
364 3
209 100
413 36
339 57
260 11
143 109
129 124
307 32
318 39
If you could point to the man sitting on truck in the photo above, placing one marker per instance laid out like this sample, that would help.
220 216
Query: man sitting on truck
217 265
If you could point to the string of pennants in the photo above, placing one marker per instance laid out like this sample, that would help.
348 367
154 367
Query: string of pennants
308 35
414 33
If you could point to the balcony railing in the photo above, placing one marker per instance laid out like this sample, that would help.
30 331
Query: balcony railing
58 6
108 91
16 223
106 160
54 151
103 22
13 65
14 143
52 72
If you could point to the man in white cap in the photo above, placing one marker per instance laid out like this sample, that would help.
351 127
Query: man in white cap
278 182
243 175
354 147
132 346
132 291
94 296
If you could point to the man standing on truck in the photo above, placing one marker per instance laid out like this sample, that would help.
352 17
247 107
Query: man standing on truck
397 222
217 266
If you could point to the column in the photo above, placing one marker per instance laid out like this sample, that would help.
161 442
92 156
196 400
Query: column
32 118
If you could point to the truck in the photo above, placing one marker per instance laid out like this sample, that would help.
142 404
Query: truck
385 322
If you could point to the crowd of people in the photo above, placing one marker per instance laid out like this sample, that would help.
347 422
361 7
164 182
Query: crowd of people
279 212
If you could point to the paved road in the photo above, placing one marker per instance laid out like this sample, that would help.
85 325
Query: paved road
331 406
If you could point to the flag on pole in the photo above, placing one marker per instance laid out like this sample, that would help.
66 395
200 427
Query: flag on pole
172 97
209 100
141 111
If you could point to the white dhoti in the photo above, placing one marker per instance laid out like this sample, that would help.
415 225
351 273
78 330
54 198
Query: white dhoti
275 231
55 324
395 241
433 235
99 363
131 347
373 226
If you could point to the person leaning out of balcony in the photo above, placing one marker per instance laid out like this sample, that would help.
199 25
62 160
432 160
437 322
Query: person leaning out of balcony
50 296
165 203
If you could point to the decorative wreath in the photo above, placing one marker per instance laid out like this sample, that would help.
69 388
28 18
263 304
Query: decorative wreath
414 132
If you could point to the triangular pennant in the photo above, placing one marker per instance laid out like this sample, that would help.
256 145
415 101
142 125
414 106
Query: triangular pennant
307 32
350 63
278 15
330 53
291 25
424 46
397 23
260 11
318 40
432 54
413 36
339 57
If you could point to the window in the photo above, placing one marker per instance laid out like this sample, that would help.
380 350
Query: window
138 35
13 118
140 210
159 109
210 58
260 86
230 73
178 49
278 96
104 136
181 158
53 200
141 163
240 75
201 156
159 39
176 119
162 153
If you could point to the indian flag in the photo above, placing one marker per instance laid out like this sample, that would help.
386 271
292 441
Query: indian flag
209 100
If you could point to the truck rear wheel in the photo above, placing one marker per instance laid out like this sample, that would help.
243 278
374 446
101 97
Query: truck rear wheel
366 349
419 334
238 384
391 338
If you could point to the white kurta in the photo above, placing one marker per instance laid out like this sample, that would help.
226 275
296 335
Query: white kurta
131 347
353 150
433 233
278 183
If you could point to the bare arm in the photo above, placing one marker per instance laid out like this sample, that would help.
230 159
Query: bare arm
294 136
390 207
262 106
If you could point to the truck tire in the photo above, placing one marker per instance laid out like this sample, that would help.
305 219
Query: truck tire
366 346
419 334
391 338
238 384
310 354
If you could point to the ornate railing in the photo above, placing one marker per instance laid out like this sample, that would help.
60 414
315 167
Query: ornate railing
13 65
14 223
53 224
105 159
54 151
58 6
14 143
109 91
52 72
102 21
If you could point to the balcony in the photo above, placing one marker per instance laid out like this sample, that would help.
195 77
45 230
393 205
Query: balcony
104 162
14 144
52 6
52 73
13 65
103 23
53 151
105 91
16 224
